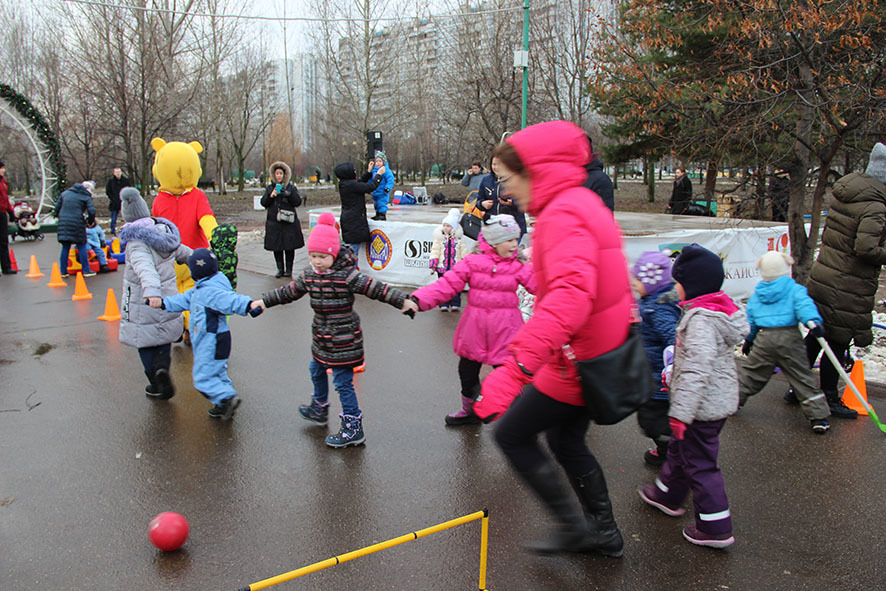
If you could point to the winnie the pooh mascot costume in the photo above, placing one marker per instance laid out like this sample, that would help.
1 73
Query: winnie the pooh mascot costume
177 169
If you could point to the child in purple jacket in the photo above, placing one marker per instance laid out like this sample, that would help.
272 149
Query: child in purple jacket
492 316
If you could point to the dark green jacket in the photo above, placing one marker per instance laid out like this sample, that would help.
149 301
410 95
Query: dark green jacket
844 278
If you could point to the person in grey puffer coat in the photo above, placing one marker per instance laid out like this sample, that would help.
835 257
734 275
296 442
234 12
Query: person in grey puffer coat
152 246
704 392
845 277
70 209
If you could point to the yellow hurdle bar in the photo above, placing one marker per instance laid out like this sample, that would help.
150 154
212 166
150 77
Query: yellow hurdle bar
311 568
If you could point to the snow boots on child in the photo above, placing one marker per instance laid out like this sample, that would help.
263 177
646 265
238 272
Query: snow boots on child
463 416
351 432
315 412
160 386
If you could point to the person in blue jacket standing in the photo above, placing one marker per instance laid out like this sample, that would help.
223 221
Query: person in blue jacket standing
210 301
381 193
779 303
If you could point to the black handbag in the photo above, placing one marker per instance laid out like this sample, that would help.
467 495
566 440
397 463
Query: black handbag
470 225
615 384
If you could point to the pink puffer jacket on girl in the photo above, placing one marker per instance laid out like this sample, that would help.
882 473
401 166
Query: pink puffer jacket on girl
492 316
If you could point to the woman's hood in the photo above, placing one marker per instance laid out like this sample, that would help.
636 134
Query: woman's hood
555 155
345 171
287 172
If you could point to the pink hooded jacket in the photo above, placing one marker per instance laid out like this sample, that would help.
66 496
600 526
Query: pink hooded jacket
584 297
492 316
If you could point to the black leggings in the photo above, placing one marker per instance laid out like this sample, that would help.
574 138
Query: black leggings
290 257
565 427
827 373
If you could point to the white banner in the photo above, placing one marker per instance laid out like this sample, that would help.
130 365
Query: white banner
398 252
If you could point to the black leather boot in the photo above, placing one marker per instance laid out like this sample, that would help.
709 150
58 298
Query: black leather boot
571 533
279 272
594 497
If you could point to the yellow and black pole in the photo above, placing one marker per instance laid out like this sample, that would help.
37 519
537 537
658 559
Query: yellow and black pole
311 568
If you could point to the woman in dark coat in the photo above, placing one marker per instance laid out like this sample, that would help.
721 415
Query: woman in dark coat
354 224
282 237
845 277
69 210
681 197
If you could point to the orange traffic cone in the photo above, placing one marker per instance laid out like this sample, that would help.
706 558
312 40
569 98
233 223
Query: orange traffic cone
80 291
55 278
34 271
360 368
857 377
13 265
112 311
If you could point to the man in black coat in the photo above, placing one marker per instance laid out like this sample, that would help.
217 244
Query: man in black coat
116 183
598 181
354 224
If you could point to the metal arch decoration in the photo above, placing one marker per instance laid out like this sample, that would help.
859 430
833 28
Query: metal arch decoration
42 140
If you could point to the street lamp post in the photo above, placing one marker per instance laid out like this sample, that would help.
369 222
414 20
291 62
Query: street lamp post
525 60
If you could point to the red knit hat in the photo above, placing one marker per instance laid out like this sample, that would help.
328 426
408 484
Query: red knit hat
324 236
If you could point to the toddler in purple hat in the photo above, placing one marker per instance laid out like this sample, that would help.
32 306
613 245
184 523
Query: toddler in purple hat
657 304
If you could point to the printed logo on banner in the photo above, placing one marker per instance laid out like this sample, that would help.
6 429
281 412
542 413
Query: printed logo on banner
417 253
380 250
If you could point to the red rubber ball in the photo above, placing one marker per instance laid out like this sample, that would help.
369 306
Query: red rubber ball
168 531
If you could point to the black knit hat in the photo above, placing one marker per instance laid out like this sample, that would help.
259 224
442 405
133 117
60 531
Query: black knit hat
202 263
699 271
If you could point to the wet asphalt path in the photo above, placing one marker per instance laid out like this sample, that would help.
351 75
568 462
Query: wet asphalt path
87 460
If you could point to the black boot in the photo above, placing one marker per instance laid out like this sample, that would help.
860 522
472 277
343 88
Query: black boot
571 534
838 409
604 535
380 217
161 387
279 272
287 272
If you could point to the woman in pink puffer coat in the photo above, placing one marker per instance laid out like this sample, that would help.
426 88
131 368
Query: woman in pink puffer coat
492 316
584 301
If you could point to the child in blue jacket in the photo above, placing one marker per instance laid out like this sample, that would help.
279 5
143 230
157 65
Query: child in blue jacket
210 301
651 280
779 303
382 192
95 240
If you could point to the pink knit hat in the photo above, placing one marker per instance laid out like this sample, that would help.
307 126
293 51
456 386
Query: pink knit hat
324 236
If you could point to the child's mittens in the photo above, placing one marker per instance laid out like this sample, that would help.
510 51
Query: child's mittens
746 347
155 303
410 307
256 307
678 428
433 264
816 329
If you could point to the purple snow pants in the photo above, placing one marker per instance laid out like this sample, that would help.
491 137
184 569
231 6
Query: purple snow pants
692 464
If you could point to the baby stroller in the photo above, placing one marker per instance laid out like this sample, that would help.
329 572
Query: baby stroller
26 220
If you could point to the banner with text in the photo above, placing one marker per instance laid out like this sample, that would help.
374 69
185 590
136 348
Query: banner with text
398 252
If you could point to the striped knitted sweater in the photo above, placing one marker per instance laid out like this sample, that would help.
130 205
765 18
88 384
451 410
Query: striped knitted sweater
337 339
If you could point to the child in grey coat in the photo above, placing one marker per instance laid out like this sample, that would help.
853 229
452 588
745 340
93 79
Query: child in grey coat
704 391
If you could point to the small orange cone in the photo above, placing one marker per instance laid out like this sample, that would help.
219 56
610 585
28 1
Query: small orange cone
360 368
13 265
80 291
857 377
112 311
55 278
34 271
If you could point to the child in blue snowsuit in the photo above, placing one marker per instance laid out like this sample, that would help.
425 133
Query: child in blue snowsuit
209 301
779 303
382 192
651 279
95 239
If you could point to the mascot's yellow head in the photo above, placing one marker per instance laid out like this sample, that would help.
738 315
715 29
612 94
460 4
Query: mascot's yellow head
176 165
